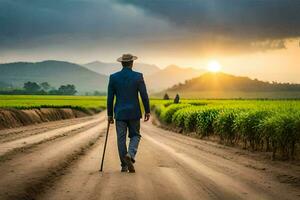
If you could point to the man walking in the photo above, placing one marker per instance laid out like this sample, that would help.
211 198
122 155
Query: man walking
126 85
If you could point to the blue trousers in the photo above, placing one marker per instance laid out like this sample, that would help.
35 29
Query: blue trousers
133 127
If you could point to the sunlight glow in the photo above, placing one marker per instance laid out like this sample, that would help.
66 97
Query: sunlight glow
214 66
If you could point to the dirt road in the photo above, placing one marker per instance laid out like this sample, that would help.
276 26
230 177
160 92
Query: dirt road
60 161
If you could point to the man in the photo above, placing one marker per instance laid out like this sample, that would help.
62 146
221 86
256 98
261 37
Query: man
126 85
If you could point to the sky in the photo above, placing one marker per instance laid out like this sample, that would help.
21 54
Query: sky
256 38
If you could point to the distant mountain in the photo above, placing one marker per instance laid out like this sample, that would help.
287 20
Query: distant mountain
54 72
169 76
109 68
227 82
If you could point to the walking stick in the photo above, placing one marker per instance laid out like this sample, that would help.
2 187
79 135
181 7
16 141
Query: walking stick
107 130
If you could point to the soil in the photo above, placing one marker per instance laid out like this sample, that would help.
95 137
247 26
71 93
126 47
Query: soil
11 118
60 160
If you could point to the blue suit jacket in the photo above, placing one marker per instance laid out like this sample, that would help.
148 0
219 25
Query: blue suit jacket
125 85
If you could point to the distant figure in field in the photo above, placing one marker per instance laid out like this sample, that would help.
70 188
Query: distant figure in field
177 98
166 97
126 85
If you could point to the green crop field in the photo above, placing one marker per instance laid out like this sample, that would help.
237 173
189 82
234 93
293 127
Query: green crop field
262 125
36 101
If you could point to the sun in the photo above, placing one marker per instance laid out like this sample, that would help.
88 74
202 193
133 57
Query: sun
214 66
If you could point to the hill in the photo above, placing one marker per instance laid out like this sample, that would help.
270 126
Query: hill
54 72
157 79
169 76
221 85
109 68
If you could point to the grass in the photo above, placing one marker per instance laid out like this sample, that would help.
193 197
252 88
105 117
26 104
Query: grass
263 125
43 101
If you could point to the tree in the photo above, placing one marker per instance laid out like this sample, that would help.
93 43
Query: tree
31 87
53 92
67 89
166 96
45 85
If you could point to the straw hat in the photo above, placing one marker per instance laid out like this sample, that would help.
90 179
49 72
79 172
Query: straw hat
127 58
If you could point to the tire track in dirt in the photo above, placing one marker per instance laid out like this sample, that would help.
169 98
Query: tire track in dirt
9 155
15 145
27 175
16 133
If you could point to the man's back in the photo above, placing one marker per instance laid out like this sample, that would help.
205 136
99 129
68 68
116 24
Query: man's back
125 85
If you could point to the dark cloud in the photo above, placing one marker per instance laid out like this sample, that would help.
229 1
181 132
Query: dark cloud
238 19
43 21
147 25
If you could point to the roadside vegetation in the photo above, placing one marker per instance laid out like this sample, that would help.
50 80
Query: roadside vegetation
43 101
258 125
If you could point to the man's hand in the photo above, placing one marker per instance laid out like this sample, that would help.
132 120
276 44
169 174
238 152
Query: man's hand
147 117
110 119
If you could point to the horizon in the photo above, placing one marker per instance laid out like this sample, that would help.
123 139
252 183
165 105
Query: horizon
204 69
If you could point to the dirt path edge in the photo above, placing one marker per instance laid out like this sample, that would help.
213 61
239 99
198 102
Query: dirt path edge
12 118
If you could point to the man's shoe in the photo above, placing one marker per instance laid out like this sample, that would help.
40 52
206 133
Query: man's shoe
129 163
124 169
132 160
